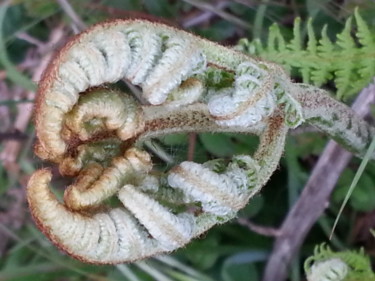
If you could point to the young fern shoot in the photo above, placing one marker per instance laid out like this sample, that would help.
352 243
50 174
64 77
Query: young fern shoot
95 133
346 265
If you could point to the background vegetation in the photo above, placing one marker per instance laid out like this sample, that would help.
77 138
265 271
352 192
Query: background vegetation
32 29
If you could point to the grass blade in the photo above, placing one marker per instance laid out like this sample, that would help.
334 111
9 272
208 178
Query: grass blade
12 72
354 183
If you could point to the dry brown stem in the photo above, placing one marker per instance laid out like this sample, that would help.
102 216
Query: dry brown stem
13 217
260 229
12 148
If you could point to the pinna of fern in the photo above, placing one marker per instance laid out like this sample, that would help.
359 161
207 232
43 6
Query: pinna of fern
349 61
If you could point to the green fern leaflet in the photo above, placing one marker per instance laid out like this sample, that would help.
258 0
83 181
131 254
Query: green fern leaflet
349 61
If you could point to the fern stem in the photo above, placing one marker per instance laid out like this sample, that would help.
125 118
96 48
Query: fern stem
335 119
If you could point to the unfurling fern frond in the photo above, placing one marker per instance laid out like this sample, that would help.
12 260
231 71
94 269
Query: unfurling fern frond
349 61
347 265
96 132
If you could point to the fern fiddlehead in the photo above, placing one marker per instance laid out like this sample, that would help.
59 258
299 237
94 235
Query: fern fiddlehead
346 265
95 134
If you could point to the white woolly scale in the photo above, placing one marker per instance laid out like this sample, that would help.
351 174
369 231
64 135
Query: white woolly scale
160 55
61 95
219 194
133 240
146 53
250 102
180 58
109 237
116 50
92 63
329 270
170 230
89 235
251 116
71 74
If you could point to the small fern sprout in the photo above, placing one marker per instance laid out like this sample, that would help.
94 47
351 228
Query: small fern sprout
326 265
115 210
328 270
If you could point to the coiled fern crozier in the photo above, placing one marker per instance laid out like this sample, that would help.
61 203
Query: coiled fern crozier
337 266
349 62
95 133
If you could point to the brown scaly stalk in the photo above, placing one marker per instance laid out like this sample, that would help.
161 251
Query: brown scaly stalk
95 134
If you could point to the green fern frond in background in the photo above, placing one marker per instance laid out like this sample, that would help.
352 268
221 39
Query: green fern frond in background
349 61
356 265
